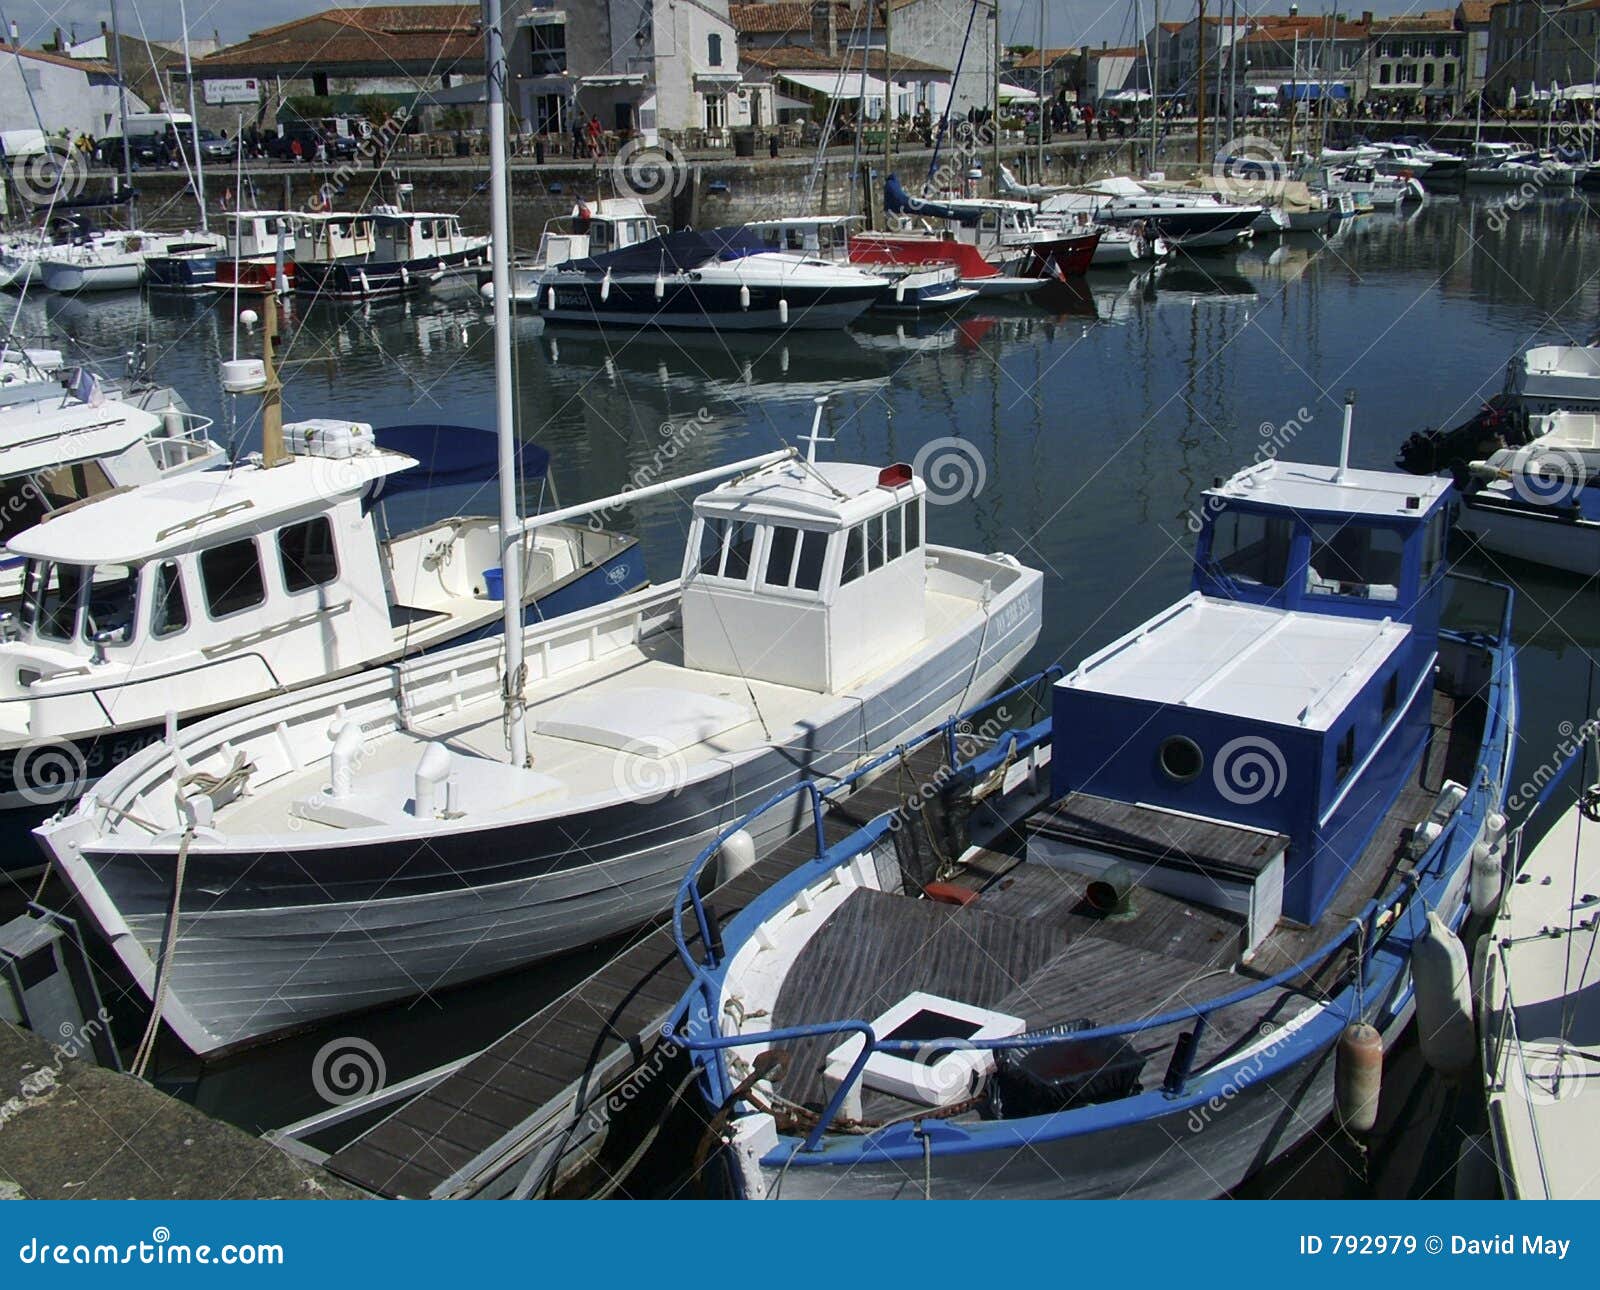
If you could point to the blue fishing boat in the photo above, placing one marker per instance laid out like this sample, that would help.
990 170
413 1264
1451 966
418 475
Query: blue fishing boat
1149 956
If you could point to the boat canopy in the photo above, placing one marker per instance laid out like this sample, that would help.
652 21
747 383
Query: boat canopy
447 455
897 201
675 252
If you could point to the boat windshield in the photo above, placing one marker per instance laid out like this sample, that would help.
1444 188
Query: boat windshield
1251 547
64 601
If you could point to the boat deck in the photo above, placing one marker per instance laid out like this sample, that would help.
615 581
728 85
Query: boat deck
531 1090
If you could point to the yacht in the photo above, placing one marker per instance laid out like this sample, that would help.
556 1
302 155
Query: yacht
909 288
723 279
116 262
1189 222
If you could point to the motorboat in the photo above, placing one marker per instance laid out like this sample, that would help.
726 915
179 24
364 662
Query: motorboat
115 263
1188 222
592 228
909 289
723 279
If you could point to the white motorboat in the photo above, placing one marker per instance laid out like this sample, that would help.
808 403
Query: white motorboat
1188 221
593 228
910 289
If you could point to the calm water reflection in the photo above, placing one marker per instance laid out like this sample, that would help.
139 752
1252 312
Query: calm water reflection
1098 415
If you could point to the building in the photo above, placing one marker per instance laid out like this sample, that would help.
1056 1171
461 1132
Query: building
1524 47
1472 17
1186 46
1109 71
65 95
339 56
1044 71
1575 55
1420 56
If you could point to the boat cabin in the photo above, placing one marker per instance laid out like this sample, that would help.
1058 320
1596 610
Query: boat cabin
609 224
807 574
257 233
415 235
1548 378
332 236
819 237
1290 691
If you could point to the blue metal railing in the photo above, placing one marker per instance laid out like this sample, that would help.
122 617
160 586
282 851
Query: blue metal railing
949 730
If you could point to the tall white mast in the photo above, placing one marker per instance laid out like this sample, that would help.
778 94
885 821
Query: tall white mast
494 58
194 121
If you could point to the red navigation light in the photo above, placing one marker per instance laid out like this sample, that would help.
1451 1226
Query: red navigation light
895 476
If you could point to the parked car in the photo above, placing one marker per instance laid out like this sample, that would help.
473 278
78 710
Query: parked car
213 146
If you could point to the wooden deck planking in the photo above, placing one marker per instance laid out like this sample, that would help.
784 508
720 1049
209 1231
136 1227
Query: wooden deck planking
584 1041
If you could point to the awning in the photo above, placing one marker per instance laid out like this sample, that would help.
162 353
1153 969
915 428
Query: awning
834 85
543 18
1016 94
610 78
718 80
1312 90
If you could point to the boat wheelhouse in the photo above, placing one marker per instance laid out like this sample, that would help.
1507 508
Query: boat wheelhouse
190 595
814 625
592 228
1145 903
410 250
260 255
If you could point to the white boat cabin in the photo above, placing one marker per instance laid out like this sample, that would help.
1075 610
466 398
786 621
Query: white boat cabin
609 224
806 574
820 237
255 234
332 236
202 591
418 235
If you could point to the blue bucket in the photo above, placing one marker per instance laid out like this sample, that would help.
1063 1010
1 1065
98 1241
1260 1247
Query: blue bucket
494 584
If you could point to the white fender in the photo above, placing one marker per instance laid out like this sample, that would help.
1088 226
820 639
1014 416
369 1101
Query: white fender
1444 998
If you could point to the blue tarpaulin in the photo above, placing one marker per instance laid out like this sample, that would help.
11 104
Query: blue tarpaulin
453 455
899 202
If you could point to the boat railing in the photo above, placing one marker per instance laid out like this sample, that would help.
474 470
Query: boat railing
1459 616
1505 1033
1368 929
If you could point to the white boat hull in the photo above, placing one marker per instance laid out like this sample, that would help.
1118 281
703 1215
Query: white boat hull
1572 546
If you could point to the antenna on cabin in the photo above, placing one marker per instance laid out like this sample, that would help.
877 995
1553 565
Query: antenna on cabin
1344 442
816 436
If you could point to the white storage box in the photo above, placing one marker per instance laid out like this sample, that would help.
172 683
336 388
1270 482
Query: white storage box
327 437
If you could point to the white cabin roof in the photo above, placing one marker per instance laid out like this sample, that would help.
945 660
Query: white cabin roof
47 434
1376 494
1271 665
1562 360
154 519
833 492
609 208
1579 431
804 221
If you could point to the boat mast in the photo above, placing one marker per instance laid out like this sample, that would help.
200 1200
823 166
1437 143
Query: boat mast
994 110
122 110
1155 82
194 120
494 60
1200 90
888 96
1039 89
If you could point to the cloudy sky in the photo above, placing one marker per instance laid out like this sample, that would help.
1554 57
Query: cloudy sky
1071 22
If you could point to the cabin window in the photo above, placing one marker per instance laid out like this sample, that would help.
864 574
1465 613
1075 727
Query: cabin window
875 544
854 557
307 553
813 554
989 222
795 558
53 596
113 598
22 505
913 524
894 522
1433 546
1250 547
741 541
1345 757
725 548
231 576
1391 695
780 556
1357 560
712 533
170 612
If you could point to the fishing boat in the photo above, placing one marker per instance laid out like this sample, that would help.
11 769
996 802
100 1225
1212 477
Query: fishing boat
1538 502
63 449
257 257
1150 915
814 625
909 288
722 279
409 250
1536 1001
116 263
592 228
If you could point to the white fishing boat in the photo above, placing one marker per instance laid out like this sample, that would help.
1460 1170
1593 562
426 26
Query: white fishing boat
1539 1004
592 228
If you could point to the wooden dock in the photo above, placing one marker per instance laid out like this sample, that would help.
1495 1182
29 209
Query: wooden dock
518 1118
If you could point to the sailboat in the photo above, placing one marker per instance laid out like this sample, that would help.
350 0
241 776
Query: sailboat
500 803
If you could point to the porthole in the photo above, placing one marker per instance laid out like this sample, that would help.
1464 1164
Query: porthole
1181 759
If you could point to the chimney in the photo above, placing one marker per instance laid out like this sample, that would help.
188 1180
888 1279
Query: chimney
1294 11
824 28
1366 17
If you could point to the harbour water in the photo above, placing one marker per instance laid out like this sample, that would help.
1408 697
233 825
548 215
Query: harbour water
1077 432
